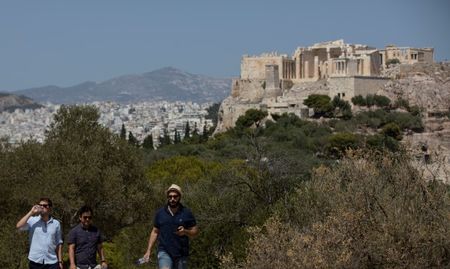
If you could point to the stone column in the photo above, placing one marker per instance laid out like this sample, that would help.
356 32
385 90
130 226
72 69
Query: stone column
272 82
306 70
316 67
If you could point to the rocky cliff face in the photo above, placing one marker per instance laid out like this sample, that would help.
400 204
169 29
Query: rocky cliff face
246 94
427 86
424 85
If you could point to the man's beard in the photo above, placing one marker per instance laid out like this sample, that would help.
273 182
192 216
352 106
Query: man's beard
174 204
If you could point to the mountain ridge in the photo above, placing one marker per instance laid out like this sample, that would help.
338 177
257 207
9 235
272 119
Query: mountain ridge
167 83
10 102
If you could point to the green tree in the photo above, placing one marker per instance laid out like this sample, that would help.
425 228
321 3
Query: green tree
340 142
132 140
359 100
370 100
344 110
392 130
213 113
148 142
205 133
165 139
195 131
321 105
123 132
252 117
80 162
382 101
177 137
392 61
187 130
402 103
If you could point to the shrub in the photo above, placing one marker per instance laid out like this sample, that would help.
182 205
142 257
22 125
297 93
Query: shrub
359 100
381 100
344 108
340 142
401 103
392 130
371 211
392 61
321 105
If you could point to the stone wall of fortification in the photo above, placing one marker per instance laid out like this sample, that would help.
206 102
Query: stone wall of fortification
230 110
348 87
255 67
248 90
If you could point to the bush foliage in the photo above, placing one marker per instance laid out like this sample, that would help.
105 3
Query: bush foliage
267 194
375 212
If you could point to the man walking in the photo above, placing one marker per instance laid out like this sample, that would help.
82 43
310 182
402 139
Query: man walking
85 241
44 234
173 225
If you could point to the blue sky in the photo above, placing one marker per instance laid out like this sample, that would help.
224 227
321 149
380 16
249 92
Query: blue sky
64 43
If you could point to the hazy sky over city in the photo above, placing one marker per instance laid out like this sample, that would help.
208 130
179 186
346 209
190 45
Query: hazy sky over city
64 43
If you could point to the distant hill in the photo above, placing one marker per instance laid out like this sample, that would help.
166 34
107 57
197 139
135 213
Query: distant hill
168 83
10 102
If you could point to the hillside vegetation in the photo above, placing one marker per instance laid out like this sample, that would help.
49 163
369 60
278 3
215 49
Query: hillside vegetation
284 193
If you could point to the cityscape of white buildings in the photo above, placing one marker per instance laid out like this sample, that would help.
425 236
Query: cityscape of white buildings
142 119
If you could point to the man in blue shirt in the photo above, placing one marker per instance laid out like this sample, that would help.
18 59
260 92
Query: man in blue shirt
85 241
173 225
44 234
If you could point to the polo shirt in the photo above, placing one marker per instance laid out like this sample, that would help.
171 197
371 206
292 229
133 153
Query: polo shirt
86 242
44 237
176 246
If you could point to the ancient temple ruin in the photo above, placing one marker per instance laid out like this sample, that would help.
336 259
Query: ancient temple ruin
279 83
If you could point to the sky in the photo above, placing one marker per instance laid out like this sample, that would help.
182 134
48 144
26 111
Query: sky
64 43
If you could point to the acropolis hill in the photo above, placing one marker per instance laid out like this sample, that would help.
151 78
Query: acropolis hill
278 83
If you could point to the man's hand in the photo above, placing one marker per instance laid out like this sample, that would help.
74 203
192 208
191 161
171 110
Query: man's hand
36 210
181 231
73 266
61 265
147 255
104 265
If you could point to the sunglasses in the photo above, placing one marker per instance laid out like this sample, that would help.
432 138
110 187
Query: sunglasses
45 205
87 217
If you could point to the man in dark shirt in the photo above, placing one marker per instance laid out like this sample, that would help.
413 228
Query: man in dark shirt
85 241
173 225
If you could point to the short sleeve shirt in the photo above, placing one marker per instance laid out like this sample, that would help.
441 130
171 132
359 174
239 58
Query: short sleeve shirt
44 237
168 241
86 242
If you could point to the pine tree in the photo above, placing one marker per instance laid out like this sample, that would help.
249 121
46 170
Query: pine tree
123 132
205 134
148 142
132 140
195 131
177 137
165 139
187 131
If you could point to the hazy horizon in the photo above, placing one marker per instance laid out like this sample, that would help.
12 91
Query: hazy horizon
67 43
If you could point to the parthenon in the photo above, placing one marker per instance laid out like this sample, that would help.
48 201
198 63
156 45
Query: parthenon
278 83
331 59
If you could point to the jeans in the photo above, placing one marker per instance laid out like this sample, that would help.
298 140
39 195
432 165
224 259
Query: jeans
166 262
